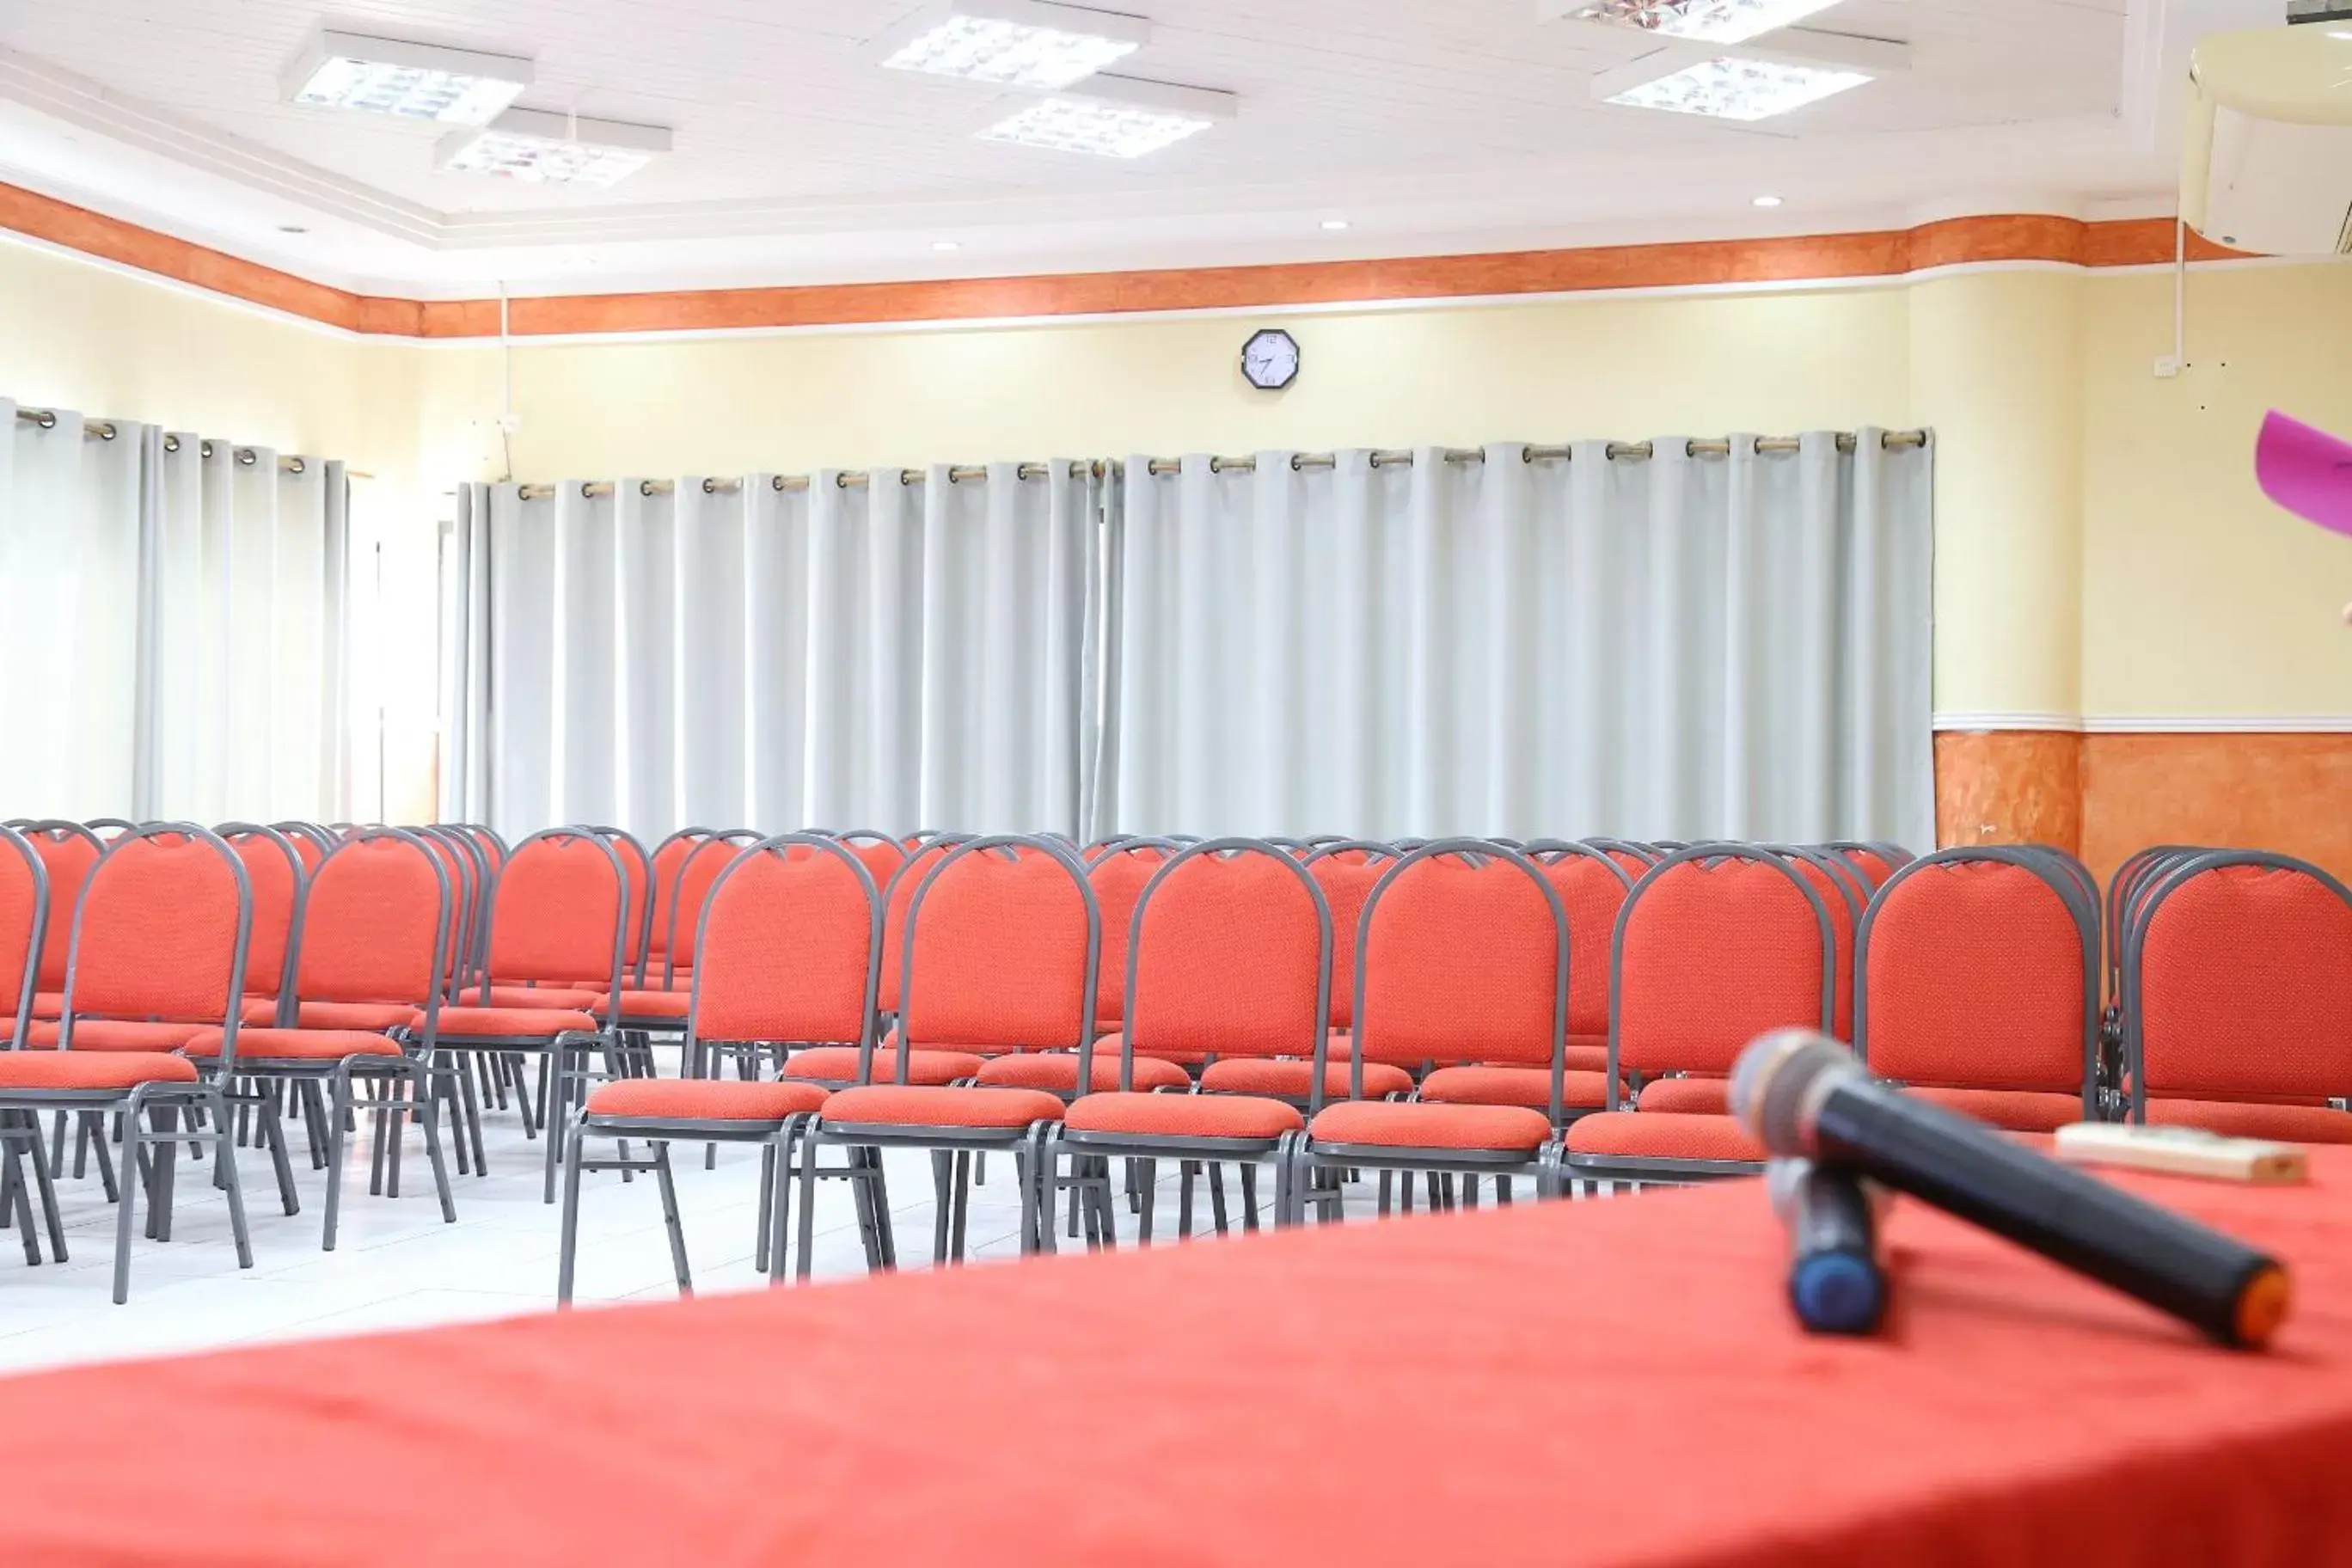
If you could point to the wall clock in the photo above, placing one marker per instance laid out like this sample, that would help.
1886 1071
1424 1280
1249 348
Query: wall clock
1270 360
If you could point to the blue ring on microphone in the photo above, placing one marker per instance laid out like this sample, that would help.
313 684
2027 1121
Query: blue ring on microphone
1837 1293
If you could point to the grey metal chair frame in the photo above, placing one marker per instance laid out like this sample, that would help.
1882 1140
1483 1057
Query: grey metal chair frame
952 1147
1306 1158
386 1074
1643 1168
1190 1152
2173 878
20 1132
163 1100
778 1141
2043 863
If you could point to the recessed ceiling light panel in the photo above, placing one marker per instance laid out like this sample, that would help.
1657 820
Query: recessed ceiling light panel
1019 43
1739 89
410 81
536 147
1116 117
1714 21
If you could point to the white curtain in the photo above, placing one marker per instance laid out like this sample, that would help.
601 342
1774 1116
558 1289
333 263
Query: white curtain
722 653
174 639
1677 646
70 528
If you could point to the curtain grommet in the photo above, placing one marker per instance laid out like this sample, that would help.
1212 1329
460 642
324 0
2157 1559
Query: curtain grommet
841 481
707 489
245 456
46 419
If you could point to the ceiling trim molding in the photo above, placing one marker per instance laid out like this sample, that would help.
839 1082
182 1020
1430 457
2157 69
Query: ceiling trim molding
1682 264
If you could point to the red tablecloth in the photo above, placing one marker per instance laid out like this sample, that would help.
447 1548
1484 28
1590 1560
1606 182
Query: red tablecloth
1611 1382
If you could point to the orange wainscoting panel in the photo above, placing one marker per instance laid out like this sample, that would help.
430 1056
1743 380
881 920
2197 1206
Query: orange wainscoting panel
2288 792
2104 797
1795 258
2010 786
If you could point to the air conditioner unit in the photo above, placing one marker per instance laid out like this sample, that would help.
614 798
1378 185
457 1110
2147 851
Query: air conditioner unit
2268 125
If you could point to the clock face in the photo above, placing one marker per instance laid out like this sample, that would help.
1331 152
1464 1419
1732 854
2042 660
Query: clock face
1270 360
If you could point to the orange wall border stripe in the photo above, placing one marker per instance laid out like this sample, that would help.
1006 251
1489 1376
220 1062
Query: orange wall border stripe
1799 258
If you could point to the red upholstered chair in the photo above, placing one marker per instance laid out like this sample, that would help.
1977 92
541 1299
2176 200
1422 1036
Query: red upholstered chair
837 1068
999 955
1979 986
789 949
2237 1001
1716 944
1463 950
274 875
67 851
1117 870
158 956
1876 862
23 920
669 858
312 843
558 911
1230 957
374 931
1346 870
1592 888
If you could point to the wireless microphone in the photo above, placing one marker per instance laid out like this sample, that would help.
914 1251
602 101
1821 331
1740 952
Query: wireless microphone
1835 1283
1799 1093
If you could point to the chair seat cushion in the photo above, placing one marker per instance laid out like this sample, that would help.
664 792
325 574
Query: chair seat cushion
1184 1116
1664 1135
374 1015
1403 1124
664 1004
91 1069
897 1105
703 1100
118 1035
1688 1096
838 1064
2013 1110
508 1023
2241 1119
578 999
295 1045
1527 1088
1292 1079
1058 1072
49 1003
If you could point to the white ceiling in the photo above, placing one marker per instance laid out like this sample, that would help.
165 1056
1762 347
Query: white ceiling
1461 124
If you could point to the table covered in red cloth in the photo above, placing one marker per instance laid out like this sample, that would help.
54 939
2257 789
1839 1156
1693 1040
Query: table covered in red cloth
1591 1383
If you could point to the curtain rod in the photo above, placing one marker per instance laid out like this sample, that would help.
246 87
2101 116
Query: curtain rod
104 430
597 489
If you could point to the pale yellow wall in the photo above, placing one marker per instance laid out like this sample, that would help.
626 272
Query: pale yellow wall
1995 371
2200 596
1774 364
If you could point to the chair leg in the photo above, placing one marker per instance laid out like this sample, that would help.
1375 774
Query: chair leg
568 1236
225 1174
166 1157
808 1202
1249 1196
273 1132
42 1168
942 1175
1145 1185
767 1199
1185 1172
1037 1203
15 1198
1217 1196
670 1217
126 1206
338 1117
963 1203
428 1116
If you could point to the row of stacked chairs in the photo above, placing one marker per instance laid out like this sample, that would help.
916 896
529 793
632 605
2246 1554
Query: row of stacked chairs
1480 1009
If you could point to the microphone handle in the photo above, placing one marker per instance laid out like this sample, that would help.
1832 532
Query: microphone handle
2195 1273
1836 1284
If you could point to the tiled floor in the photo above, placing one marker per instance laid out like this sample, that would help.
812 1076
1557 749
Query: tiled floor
397 1264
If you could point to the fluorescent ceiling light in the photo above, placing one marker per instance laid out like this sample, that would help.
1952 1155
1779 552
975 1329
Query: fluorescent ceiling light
1334 225
1767 202
537 147
413 81
1739 89
1019 43
1715 21
1116 117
